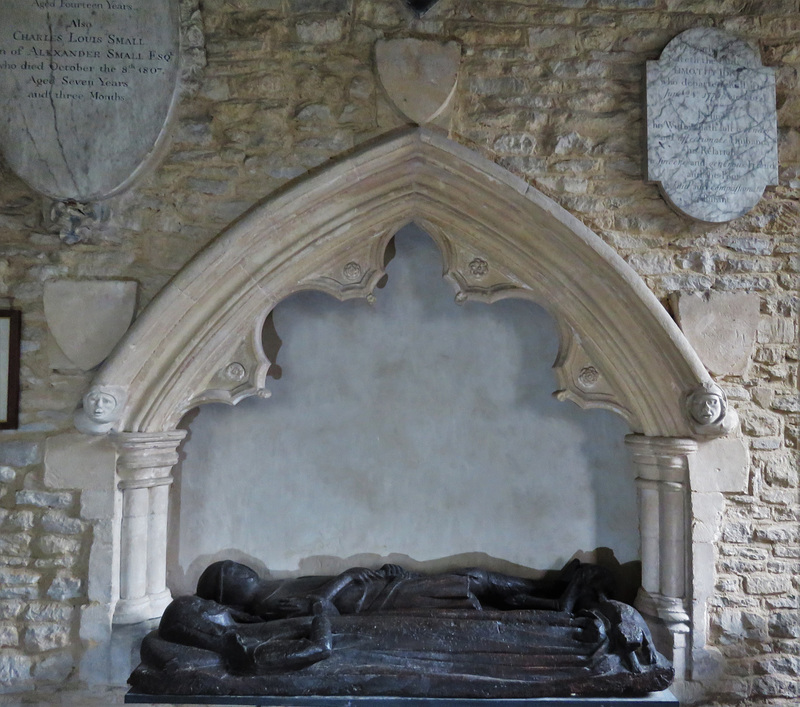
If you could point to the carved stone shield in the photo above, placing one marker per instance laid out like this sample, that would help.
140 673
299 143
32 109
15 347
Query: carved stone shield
88 318
419 76
88 87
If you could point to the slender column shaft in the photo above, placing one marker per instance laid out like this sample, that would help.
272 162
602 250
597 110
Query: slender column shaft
672 504
649 529
157 540
133 544
662 468
144 468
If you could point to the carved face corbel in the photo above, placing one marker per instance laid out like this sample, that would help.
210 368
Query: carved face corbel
708 411
102 408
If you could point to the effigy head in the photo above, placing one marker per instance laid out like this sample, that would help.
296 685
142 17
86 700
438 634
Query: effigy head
227 582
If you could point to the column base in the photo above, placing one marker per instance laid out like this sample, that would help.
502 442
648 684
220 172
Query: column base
670 627
134 611
159 602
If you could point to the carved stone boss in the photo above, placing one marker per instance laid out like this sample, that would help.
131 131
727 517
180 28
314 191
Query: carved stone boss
712 135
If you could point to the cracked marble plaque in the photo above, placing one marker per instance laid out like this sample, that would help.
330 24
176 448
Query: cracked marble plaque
712 135
88 87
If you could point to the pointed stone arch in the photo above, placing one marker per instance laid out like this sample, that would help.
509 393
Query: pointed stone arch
499 236
200 339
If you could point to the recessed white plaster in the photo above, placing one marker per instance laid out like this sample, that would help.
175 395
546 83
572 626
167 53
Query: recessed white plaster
414 427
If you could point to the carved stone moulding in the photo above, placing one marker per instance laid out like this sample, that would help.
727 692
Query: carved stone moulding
472 272
581 380
499 237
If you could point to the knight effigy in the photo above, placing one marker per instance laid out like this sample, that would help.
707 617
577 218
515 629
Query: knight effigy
468 633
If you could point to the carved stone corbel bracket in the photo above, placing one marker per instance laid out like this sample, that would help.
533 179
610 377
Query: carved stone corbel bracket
708 411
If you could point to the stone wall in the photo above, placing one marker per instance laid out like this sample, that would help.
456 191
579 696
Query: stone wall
553 91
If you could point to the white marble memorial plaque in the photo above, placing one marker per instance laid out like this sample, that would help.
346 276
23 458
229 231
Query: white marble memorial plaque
712 135
88 86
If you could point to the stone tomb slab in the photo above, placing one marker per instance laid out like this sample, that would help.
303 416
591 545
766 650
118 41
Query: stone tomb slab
664 698
88 86
712 135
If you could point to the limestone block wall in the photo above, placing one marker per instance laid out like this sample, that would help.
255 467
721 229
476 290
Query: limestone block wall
553 91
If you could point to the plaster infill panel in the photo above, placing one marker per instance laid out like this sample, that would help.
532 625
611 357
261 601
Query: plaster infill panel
412 427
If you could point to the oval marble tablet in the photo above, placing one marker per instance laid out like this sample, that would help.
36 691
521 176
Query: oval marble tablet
88 88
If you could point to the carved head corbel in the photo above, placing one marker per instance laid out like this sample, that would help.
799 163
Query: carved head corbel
708 411
102 408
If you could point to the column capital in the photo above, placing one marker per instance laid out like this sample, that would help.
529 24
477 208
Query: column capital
146 458
661 458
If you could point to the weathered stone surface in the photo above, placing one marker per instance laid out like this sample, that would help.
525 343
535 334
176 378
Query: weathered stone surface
59 522
48 611
96 621
419 76
89 88
88 317
14 668
707 511
15 544
721 326
79 461
785 624
761 423
19 454
9 636
712 142
720 465
776 686
54 668
45 637
777 330
782 470
58 545
10 609
787 403
17 583
767 584
65 587
735 625
44 499
19 520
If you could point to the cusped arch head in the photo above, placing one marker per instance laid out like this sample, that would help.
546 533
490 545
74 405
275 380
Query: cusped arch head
200 339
